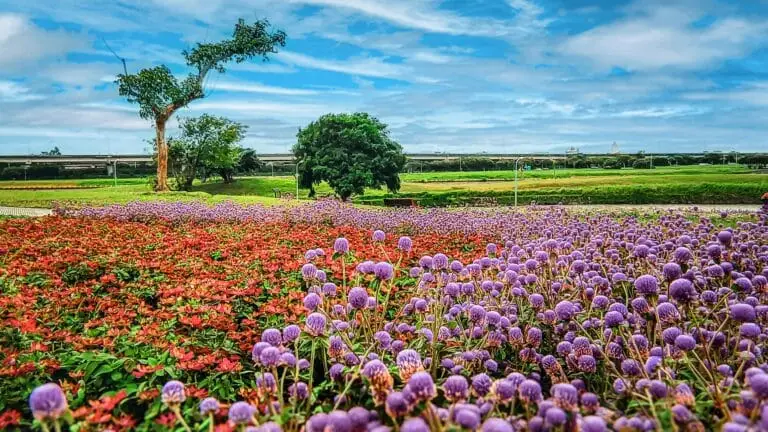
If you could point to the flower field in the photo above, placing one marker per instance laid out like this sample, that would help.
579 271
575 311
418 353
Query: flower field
332 318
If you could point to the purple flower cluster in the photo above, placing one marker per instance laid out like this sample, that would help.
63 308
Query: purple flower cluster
567 322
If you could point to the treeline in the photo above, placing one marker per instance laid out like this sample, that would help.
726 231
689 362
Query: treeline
638 161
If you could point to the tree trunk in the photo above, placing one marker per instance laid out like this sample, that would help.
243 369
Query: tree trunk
162 158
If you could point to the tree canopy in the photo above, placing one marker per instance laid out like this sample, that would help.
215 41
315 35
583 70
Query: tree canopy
160 94
207 143
350 152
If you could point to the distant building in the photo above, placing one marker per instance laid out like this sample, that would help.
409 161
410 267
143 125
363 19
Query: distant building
572 151
615 149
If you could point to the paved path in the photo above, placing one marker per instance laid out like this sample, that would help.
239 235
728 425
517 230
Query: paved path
24 211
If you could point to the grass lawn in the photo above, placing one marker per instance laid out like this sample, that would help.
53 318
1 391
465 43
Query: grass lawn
672 181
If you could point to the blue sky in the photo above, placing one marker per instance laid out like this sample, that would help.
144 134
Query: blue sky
451 75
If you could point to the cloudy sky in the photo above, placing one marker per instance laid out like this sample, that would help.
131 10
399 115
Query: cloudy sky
451 75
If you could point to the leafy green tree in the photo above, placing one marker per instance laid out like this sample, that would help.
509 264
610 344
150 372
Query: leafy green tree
160 94
249 161
206 142
53 152
350 152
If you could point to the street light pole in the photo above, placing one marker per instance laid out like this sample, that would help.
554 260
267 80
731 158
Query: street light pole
297 180
516 161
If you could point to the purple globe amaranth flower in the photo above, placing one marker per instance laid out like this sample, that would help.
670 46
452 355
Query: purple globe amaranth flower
309 271
357 297
565 310
298 391
408 363
529 391
647 285
456 388
685 342
667 312
467 418
315 324
593 424
682 290
415 424
439 262
209 405
384 270
743 312
396 405
329 289
725 237
312 301
341 245
613 319
422 386
49 402
272 336
173 393
671 271
269 356
494 424
378 236
682 255
566 396
338 421
291 333
405 244
481 384
758 382
241 413
586 363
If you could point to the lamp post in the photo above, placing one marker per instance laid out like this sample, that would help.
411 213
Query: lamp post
297 179
516 162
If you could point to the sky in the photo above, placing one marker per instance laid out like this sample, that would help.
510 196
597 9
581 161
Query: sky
459 76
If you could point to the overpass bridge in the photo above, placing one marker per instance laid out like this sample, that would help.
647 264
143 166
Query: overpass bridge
266 157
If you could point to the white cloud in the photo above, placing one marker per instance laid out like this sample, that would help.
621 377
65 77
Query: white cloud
23 43
13 92
363 66
664 37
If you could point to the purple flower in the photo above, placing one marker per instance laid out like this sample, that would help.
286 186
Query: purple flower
467 418
682 290
269 356
309 271
758 382
272 337
422 386
379 236
685 342
341 245
481 384
173 393
408 363
405 244
529 391
338 421
384 270
312 301
315 324
494 424
682 255
415 424
743 312
49 402
647 285
241 413
291 333
209 406
439 262
357 297
613 319
396 405
593 424
298 391
725 237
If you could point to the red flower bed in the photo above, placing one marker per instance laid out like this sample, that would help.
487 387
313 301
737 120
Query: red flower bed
99 305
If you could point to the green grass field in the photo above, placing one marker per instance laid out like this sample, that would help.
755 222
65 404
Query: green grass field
688 184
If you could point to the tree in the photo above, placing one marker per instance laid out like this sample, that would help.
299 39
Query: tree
52 152
350 152
160 94
206 142
249 161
